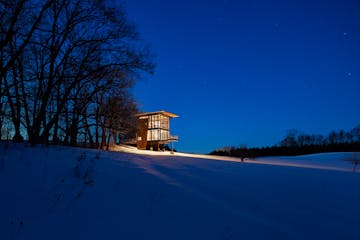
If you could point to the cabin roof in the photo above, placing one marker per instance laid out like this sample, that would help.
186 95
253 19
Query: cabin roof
168 114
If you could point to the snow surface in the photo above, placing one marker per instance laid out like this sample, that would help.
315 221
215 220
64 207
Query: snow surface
326 161
72 193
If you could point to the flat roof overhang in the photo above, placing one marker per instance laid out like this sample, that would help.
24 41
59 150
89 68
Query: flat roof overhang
168 114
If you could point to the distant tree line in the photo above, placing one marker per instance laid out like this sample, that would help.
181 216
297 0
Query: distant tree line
66 67
297 143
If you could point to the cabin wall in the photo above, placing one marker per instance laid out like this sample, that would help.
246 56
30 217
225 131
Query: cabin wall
141 134
152 131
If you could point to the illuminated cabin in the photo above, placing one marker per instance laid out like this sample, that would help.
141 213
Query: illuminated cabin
153 130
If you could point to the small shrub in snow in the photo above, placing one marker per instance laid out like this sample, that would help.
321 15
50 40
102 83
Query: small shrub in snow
89 176
354 160
78 169
97 156
84 168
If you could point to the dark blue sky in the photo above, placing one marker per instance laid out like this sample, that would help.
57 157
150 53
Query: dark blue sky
245 72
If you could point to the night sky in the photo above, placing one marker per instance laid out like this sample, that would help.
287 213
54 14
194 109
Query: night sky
245 72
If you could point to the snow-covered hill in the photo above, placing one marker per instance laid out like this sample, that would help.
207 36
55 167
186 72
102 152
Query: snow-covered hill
72 193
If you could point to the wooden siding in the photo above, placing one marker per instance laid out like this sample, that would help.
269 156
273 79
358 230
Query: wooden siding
141 134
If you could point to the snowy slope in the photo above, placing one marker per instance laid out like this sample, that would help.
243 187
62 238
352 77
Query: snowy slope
327 161
330 161
73 193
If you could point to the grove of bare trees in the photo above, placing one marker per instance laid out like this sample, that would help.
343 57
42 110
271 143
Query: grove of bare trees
298 143
66 67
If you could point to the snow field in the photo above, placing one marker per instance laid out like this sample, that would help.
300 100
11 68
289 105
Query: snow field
72 193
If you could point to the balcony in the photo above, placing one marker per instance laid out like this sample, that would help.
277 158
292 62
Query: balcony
173 138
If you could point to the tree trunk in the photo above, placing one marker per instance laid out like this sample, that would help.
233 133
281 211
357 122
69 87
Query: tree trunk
103 138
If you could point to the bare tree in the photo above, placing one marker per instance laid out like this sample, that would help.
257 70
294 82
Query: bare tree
355 133
20 23
73 53
118 117
290 139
